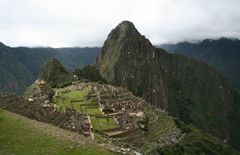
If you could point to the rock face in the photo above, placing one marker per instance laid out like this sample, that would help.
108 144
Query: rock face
187 88
55 74
129 59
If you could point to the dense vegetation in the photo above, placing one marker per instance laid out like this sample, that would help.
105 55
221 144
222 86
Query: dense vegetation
55 74
90 73
197 142
222 53
235 119
20 66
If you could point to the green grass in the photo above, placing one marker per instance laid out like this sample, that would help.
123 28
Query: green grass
95 123
93 111
93 99
60 103
65 98
103 123
98 123
76 107
19 136
76 94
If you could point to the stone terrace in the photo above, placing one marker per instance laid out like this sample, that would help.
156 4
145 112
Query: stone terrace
127 109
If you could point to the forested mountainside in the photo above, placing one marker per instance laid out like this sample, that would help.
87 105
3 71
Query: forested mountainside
187 88
134 126
20 66
224 54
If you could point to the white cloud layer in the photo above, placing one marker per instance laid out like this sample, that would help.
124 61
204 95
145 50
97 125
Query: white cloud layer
59 23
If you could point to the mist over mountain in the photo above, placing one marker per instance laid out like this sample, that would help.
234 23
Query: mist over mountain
134 96
20 66
224 54
148 77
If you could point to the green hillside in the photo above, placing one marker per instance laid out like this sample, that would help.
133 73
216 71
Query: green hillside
19 66
197 142
221 53
55 74
22 136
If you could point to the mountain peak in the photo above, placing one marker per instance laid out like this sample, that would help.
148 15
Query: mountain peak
54 73
124 29
172 82
124 42
50 67
126 25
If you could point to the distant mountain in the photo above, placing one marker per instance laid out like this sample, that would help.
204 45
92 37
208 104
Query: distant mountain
20 66
224 54
189 89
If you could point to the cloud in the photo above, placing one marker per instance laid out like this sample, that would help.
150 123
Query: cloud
87 22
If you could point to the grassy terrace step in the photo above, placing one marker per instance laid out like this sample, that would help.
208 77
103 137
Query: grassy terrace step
160 126
22 136
93 111
157 130
79 101
64 99
101 124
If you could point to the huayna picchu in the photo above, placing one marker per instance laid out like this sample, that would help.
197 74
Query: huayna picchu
137 99
188 89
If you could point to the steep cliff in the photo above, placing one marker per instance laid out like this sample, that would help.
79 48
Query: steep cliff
129 59
187 88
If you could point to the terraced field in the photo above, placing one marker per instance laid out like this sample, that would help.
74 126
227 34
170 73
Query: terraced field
79 100
101 124
71 99
163 126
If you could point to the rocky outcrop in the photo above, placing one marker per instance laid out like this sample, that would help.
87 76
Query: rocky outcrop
55 74
187 88
128 58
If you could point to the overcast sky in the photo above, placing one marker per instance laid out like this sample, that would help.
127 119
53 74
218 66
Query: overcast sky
60 23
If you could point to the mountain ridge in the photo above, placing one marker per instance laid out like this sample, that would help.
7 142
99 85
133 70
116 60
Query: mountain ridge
221 53
20 65
172 82
183 87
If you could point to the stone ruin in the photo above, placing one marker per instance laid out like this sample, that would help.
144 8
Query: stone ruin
125 108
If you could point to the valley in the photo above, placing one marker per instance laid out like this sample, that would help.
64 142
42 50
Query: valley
19 66
148 77
136 99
